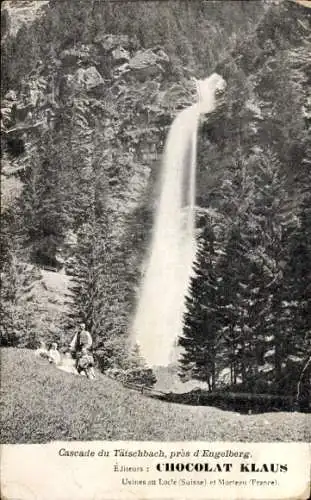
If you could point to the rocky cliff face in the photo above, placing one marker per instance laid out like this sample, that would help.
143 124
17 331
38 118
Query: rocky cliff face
132 105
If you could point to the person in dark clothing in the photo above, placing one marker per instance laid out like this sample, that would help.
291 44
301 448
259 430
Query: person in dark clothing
81 339
79 347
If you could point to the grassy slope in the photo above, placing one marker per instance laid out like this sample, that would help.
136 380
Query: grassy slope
41 403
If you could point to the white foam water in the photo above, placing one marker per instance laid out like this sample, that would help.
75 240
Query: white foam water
161 303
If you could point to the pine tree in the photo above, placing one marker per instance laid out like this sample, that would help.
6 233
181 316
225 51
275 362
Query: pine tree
233 306
298 303
17 305
262 316
200 337
85 268
243 296
136 369
274 211
44 219
239 304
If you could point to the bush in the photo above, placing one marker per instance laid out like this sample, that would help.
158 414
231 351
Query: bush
139 376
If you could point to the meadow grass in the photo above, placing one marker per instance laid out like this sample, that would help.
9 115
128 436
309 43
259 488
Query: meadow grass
40 403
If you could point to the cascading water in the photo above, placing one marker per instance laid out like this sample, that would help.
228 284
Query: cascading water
159 316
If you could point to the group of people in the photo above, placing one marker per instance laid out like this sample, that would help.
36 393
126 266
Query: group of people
77 359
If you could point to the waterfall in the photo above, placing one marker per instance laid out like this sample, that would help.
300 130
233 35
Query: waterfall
161 302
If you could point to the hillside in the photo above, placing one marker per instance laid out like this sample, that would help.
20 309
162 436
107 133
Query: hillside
41 403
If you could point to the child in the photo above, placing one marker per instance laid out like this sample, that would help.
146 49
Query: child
54 355
85 363
42 351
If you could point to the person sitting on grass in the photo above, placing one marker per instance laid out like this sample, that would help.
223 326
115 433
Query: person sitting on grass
81 342
42 351
54 355
85 364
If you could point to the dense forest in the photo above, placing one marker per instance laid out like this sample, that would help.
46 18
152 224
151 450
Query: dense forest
89 89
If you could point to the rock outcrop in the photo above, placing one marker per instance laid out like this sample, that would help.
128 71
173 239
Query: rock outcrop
148 63
86 79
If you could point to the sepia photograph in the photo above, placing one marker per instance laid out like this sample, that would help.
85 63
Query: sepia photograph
155 223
